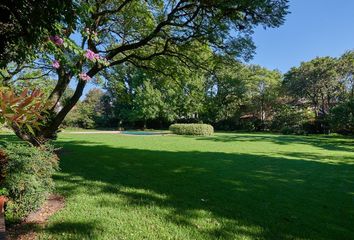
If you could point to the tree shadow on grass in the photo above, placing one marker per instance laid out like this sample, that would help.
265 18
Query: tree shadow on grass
73 230
255 196
332 143
292 195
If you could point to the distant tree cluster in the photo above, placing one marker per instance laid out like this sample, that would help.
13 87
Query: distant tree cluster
316 97
163 62
324 85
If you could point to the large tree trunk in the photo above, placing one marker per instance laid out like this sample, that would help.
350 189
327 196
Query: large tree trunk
24 135
63 82
51 125
50 128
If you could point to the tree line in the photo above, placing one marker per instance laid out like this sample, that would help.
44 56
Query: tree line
315 97
79 41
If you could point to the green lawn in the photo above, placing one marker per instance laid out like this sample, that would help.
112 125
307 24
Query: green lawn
228 186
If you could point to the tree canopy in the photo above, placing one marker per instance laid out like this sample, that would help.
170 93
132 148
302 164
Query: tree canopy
110 33
316 81
25 24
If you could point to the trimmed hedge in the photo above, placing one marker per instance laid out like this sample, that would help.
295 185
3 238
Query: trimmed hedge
192 129
27 176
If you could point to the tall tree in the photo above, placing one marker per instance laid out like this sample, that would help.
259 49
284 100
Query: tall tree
263 89
235 89
346 70
146 103
175 94
87 113
225 89
316 82
116 32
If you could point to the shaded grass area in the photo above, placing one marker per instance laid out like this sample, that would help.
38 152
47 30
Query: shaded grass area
228 186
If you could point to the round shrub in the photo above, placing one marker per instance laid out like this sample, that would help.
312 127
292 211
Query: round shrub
192 129
27 176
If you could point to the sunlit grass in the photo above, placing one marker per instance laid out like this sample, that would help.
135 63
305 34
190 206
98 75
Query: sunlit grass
228 186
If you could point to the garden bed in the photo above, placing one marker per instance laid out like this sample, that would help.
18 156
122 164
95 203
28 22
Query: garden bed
26 229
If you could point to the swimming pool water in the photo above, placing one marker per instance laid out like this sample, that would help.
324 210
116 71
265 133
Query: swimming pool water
140 133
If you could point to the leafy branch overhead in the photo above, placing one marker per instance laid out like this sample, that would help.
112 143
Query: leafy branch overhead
113 33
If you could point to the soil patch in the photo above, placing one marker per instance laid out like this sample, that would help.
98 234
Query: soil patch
27 229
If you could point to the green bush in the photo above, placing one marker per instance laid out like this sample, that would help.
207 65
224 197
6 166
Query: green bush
3 192
287 130
192 129
27 178
292 130
342 117
291 120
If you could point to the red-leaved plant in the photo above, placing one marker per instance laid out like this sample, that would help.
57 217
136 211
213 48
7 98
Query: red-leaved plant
24 111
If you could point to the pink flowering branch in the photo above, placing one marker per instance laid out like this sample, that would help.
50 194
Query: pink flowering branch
84 77
56 40
56 64
91 55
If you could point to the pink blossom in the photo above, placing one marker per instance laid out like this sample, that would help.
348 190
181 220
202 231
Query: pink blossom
56 40
84 77
91 55
56 64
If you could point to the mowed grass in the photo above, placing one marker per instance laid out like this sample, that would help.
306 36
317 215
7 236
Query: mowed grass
228 186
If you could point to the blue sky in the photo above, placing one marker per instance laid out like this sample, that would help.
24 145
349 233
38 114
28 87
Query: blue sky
313 28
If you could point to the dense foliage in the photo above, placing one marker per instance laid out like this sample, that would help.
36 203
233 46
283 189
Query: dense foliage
325 86
163 62
22 111
292 120
315 97
89 112
342 117
24 24
111 34
27 176
192 129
